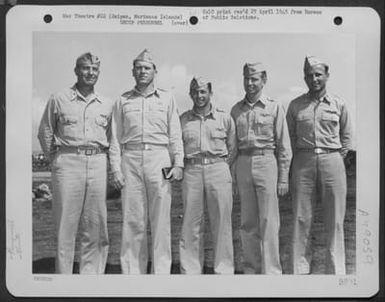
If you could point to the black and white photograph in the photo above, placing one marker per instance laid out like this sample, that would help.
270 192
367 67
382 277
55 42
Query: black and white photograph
174 153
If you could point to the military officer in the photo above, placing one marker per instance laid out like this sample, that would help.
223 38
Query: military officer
320 132
146 137
74 135
261 171
209 144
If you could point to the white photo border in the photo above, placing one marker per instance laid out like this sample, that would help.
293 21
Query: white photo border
363 23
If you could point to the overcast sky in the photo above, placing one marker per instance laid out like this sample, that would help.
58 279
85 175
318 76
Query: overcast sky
217 57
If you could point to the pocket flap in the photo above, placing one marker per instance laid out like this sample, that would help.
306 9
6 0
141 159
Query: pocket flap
304 116
218 134
68 119
101 120
330 117
264 119
158 106
128 107
189 135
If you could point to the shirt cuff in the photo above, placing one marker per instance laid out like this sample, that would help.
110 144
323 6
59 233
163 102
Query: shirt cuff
178 162
283 177
115 168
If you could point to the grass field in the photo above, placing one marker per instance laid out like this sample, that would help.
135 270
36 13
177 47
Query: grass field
44 237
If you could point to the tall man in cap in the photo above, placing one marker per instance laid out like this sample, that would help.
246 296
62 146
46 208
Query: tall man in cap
145 130
209 145
321 133
74 135
261 171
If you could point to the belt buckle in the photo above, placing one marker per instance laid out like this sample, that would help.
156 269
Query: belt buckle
146 147
318 150
89 151
205 161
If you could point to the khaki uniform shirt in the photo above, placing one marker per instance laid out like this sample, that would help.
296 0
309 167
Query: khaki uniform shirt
212 135
262 125
325 123
151 119
71 120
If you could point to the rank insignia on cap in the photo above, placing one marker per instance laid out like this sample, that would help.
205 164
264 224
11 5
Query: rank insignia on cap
87 57
145 56
250 69
311 61
197 82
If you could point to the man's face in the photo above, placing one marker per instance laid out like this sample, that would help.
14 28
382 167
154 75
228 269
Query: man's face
316 78
253 84
87 73
201 96
143 72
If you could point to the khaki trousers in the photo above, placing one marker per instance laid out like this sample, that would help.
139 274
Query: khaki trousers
212 185
325 172
257 185
146 197
79 196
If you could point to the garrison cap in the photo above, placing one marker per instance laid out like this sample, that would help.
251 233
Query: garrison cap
311 61
250 69
197 82
145 56
87 57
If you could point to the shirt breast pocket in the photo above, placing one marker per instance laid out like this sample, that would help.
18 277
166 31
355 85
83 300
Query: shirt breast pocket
158 116
218 137
131 108
188 135
304 124
101 120
218 134
158 109
330 123
191 140
67 119
69 124
241 127
264 125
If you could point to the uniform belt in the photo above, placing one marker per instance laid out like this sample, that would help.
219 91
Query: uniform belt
319 150
203 160
143 146
255 151
84 150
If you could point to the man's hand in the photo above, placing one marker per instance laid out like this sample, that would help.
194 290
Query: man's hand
118 180
175 174
344 152
283 189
